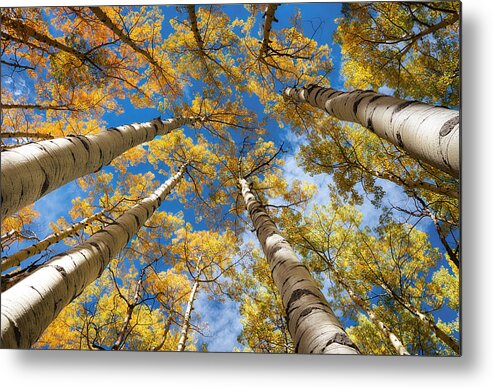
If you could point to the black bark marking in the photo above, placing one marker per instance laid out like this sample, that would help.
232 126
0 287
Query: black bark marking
449 125
84 142
55 307
307 311
375 98
76 294
280 262
340 338
137 219
37 292
73 157
399 140
98 248
315 97
60 269
296 282
46 184
369 125
17 333
403 105
278 246
296 295
149 212
357 102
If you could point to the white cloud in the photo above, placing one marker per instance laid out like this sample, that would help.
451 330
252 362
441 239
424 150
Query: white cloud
221 323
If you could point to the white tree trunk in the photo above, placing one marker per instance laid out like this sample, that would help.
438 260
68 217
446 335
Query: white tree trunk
394 340
31 305
448 340
16 258
186 319
33 170
429 133
311 322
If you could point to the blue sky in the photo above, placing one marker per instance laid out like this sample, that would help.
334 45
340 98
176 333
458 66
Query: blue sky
221 320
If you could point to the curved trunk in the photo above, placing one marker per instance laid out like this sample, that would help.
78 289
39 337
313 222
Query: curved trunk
31 305
16 258
186 319
33 170
311 322
429 133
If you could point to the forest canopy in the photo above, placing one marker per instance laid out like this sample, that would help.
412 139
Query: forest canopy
272 178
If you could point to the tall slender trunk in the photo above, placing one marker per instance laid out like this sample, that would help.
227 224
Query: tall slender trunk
429 133
414 185
39 107
167 326
31 305
269 18
16 258
33 170
186 319
312 324
448 340
394 340
195 29
17 134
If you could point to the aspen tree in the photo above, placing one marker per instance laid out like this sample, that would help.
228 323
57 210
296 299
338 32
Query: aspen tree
33 170
32 304
429 133
312 324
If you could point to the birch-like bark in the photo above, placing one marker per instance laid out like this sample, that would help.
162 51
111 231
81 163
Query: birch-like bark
269 18
394 340
33 170
312 324
31 305
448 340
186 319
428 133
12 135
16 258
